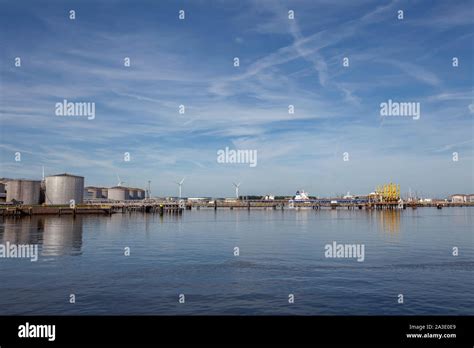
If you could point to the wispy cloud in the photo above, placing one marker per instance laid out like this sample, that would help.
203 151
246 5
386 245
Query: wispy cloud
283 62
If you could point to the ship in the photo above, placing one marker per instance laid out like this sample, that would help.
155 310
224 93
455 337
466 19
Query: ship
301 197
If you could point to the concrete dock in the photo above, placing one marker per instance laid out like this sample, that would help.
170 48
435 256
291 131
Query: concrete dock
94 208
177 207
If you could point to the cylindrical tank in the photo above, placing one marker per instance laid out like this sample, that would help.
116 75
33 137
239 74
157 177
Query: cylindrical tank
27 191
98 192
117 193
93 192
42 191
62 188
140 194
3 195
132 193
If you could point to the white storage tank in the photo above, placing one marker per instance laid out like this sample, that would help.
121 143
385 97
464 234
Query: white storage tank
26 191
62 188
118 193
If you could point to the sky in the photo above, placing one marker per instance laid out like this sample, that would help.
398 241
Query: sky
335 141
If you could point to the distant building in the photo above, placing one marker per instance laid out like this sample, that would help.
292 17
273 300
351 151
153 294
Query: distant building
459 198
3 195
92 192
470 198
198 199
132 193
140 194
349 196
374 197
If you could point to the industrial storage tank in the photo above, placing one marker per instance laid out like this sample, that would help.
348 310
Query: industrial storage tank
118 193
27 191
62 188
132 193
93 192
42 191
140 194
3 195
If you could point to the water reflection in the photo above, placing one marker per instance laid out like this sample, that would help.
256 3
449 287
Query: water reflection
62 236
57 235
390 221
27 230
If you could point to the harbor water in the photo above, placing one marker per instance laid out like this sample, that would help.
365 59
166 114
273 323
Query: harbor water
239 262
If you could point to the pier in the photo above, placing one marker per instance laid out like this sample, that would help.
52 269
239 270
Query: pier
162 207
317 204
101 208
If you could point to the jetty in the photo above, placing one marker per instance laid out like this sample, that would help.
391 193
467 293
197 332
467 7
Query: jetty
159 206
101 208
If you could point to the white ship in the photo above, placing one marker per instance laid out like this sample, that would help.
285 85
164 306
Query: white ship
301 196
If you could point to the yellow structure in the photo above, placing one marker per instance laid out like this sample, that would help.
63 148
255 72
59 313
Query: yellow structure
388 192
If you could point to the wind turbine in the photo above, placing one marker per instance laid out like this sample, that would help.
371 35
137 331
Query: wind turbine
120 182
236 189
180 184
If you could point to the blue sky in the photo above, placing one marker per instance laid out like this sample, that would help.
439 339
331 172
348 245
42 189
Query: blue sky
282 62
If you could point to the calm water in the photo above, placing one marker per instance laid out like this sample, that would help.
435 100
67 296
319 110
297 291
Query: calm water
408 252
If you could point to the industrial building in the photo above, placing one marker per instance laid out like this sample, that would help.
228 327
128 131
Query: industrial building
459 198
26 191
61 189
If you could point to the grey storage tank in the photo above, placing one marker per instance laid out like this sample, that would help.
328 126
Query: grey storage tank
140 194
27 191
93 192
3 195
132 193
118 193
62 188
